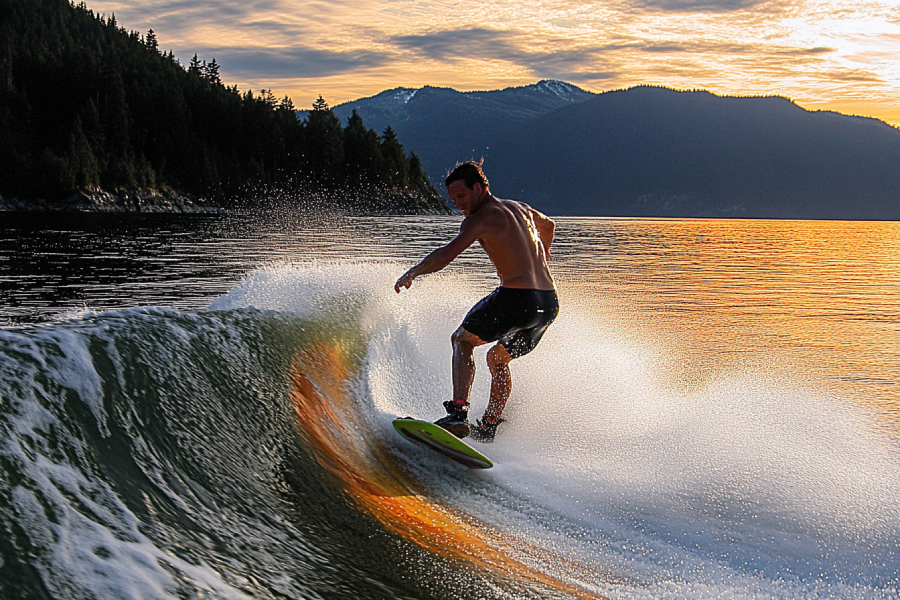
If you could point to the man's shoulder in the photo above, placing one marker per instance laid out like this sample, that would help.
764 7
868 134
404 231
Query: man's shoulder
517 205
496 217
502 206
490 212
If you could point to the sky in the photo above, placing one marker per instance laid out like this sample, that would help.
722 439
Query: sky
841 55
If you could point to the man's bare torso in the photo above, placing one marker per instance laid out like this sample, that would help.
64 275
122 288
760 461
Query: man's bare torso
508 234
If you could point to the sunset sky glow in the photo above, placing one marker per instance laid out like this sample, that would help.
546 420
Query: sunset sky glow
825 54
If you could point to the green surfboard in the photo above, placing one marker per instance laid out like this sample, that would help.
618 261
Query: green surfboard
440 440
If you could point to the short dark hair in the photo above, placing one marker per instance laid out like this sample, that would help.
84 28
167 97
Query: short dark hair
468 172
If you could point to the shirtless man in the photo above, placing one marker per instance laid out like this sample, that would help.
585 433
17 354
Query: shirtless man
517 239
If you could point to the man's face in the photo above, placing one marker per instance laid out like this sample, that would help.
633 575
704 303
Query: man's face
464 198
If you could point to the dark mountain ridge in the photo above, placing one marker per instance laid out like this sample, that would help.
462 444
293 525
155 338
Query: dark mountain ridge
657 152
652 151
403 105
444 124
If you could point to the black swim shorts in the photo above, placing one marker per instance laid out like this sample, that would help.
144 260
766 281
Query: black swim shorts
517 318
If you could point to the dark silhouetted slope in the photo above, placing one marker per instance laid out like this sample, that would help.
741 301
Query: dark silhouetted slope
657 152
651 151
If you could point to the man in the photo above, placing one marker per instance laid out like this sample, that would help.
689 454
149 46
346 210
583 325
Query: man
517 239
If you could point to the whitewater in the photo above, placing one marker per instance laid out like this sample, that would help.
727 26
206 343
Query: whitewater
244 448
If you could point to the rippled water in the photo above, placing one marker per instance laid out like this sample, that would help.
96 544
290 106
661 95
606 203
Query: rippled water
822 295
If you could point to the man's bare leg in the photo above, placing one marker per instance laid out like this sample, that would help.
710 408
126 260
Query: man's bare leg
498 360
463 362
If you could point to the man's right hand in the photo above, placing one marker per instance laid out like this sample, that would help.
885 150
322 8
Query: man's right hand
404 281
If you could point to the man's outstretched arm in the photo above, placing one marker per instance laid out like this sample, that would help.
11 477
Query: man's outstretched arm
438 259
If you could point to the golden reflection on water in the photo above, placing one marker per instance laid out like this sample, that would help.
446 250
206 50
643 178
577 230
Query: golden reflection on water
814 301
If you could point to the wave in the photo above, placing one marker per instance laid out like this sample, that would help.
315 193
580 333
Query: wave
246 451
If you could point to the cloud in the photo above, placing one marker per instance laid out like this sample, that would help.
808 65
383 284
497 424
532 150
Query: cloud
462 43
261 23
255 40
566 61
587 76
687 6
255 63
656 47
859 75
725 49
175 16
806 51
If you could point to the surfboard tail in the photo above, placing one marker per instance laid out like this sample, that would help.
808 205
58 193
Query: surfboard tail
438 439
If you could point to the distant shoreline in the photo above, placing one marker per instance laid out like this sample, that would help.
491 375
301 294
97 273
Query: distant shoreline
99 200
115 201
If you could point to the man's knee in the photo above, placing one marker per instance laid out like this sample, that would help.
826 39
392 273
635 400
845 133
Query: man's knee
463 337
498 357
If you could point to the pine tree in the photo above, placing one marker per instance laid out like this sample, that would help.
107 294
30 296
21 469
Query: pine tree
394 159
211 72
287 105
268 98
362 156
83 162
417 177
53 175
196 66
325 142
151 42
6 65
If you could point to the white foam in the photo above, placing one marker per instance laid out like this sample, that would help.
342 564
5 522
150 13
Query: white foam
307 289
85 542
754 486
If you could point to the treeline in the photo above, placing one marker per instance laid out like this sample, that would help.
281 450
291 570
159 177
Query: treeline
85 103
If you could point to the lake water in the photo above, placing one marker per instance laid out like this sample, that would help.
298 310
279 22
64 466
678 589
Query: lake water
715 413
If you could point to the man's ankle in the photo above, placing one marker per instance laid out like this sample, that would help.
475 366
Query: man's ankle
457 405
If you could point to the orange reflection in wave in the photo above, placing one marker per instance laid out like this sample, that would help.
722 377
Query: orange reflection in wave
371 476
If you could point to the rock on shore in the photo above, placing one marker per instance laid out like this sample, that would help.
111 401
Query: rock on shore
116 200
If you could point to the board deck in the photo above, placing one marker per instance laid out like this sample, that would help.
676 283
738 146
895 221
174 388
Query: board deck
440 440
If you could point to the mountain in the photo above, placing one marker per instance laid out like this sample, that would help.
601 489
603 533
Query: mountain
405 105
442 125
651 151
658 152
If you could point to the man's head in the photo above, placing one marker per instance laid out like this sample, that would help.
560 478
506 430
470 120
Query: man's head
467 187
469 172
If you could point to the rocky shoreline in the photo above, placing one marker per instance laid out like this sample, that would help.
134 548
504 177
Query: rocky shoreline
99 200
173 202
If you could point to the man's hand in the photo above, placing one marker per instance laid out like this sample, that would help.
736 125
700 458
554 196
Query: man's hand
404 281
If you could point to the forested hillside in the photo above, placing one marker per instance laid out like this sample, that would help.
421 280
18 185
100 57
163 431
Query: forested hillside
86 103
